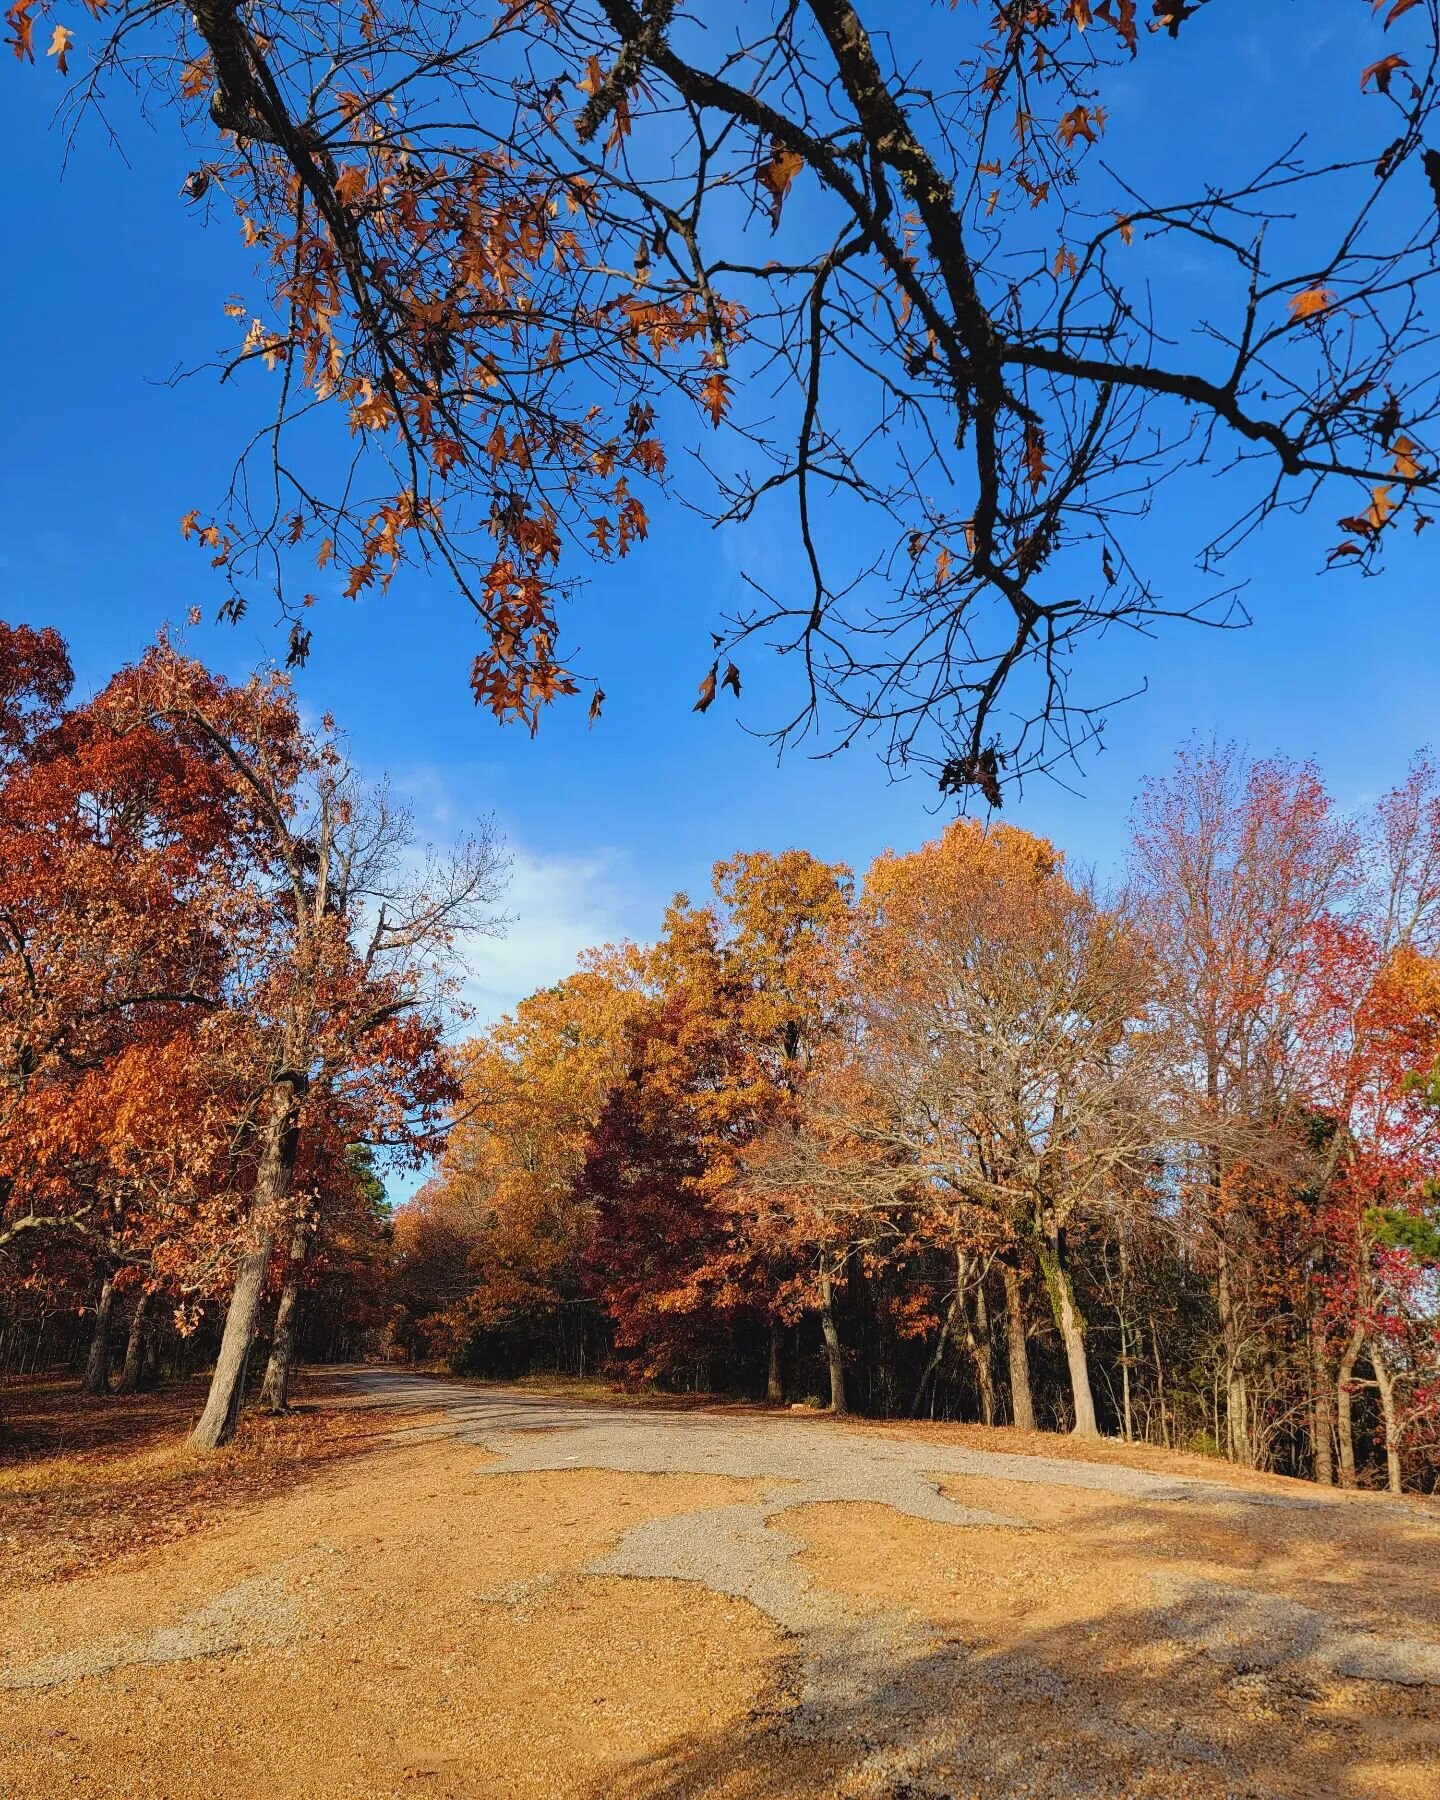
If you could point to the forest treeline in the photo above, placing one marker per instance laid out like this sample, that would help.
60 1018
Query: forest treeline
972 1139
968 1138
226 968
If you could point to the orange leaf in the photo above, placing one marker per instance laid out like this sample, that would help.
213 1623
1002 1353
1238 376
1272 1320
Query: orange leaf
1381 506
597 700
1083 122
777 173
1380 72
195 77
1396 11
715 395
22 28
1309 302
1405 465
707 690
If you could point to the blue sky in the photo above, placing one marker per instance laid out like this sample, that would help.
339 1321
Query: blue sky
114 285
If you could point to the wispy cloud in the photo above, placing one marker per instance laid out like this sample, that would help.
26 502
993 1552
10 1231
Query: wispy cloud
558 906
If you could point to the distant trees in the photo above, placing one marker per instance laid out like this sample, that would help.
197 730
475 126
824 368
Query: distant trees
223 972
984 1141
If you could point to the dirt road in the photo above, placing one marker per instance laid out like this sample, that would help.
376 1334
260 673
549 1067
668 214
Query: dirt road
513 1595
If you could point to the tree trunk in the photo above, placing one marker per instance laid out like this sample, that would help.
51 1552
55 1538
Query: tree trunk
1323 1412
832 1342
1238 1441
216 1425
774 1381
937 1356
1127 1416
1072 1331
97 1363
1022 1399
135 1344
1386 1384
977 1334
275 1394
1345 1428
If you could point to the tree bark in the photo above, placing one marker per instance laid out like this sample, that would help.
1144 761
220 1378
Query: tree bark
832 1342
1022 1398
135 1344
97 1363
977 1334
1385 1382
217 1423
275 1394
1238 1439
1345 1427
1323 1412
1072 1331
774 1380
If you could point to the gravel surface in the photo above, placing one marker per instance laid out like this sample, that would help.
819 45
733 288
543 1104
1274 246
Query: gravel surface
877 1679
650 1603
257 1612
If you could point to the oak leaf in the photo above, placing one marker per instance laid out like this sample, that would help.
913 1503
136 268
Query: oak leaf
1310 302
61 40
22 29
707 690
715 395
1405 466
1036 468
1380 72
777 172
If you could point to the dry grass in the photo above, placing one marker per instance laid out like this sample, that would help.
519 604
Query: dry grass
90 1481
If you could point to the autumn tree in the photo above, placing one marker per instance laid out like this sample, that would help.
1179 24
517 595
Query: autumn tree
115 847
337 942
1006 1012
514 252
533 1090
1236 866
751 988
1293 946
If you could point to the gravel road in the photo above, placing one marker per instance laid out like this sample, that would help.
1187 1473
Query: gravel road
877 1676
537 1598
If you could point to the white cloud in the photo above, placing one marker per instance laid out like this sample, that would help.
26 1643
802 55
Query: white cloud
558 906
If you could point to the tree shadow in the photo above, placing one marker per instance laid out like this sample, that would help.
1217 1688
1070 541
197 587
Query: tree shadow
1123 1710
